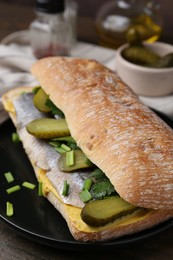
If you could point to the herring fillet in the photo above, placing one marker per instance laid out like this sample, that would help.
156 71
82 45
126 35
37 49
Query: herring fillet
43 155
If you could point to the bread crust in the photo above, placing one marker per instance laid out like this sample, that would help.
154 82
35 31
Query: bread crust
117 132
131 224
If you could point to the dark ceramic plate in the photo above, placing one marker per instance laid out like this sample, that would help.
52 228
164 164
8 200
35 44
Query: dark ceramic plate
35 218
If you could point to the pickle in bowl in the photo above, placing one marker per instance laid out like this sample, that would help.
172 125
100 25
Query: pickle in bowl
149 71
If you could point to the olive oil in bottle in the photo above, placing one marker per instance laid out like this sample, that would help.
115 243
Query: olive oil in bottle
116 17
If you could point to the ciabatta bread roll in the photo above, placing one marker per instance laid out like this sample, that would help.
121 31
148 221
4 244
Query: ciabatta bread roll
119 134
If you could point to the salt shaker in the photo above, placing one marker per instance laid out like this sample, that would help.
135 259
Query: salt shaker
50 32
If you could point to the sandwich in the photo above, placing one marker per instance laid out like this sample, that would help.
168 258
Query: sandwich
104 158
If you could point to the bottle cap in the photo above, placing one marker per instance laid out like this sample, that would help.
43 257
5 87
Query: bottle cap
50 6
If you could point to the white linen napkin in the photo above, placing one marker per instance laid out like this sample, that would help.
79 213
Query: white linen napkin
15 64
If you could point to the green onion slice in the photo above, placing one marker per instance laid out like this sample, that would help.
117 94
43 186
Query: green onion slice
85 195
65 147
55 143
40 189
87 184
13 189
60 150
9 209
9 177
66 187
70 160
28 185
15 138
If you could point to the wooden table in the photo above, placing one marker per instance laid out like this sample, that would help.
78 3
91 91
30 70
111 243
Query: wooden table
15 247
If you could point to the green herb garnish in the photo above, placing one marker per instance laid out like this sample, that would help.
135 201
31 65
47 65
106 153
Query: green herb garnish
28 185
60 150
101 186
9 209
9 177
66 187
101 189
13 189
15 138
40 189
59 142
65 147
70 158
85 195
87 184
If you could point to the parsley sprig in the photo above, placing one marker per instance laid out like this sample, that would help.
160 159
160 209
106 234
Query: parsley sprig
101 186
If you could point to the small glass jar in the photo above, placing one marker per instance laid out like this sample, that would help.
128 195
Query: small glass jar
51 31
114 19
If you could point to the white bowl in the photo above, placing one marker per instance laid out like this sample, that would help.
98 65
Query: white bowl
143 80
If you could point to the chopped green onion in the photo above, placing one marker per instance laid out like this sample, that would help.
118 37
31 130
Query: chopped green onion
66 187
65 147
28 185
15 138
13 189
9 209
9 177
55 143
70 158
85 195
60 150
87 184
40 189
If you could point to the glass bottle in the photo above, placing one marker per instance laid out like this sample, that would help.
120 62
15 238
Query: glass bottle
115 18
50 32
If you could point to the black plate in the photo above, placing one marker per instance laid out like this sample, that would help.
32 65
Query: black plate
35 218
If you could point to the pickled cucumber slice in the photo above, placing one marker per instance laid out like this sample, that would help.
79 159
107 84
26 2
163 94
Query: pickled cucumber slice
140 55
98 213
164 62
39 101
80 162
48 128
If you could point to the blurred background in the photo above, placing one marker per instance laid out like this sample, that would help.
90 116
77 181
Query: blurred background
87 11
